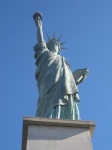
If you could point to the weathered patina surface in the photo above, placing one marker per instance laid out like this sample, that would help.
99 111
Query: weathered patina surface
58 92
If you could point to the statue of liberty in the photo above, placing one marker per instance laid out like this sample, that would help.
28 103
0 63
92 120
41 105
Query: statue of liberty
57 86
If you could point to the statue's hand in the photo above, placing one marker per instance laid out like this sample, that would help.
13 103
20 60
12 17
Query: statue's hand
38 22
38 19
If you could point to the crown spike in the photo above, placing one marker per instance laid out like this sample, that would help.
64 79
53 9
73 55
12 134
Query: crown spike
62 43
63 48
48 37
59 38
55 40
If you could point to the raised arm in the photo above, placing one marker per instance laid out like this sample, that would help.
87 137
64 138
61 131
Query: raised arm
38 21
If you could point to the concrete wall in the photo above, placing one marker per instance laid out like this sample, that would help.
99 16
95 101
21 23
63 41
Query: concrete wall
58 138
58 135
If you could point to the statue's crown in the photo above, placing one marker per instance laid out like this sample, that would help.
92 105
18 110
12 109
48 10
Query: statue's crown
50 41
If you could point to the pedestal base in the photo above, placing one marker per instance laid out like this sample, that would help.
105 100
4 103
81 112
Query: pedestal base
55 134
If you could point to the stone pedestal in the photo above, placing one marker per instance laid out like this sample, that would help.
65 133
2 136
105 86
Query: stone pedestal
54 134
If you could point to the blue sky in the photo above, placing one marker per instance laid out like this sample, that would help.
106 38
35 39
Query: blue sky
86 25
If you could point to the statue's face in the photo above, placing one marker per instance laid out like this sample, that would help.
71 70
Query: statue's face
54 47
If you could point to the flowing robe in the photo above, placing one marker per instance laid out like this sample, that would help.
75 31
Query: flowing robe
55 81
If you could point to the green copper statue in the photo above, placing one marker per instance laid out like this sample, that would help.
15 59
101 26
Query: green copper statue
57 86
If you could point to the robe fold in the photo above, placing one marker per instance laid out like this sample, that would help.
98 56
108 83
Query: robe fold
54 80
